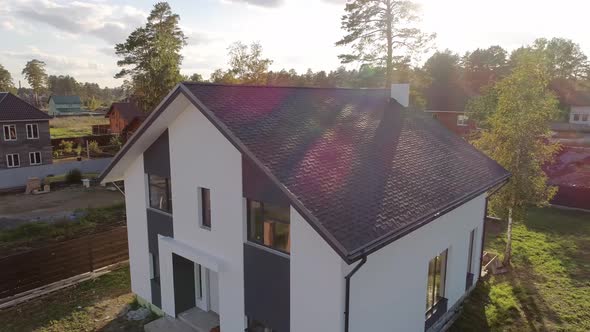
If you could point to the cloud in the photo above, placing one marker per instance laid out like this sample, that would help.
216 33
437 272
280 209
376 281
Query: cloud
8 25
262 3
111 23
336 2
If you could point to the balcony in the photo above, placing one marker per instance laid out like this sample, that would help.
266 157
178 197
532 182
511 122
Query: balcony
436 312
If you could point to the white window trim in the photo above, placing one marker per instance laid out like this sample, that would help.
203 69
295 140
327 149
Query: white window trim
4 133
32 131
464 122
12 155
32 154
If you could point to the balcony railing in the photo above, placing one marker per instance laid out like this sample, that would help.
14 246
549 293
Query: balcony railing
436 312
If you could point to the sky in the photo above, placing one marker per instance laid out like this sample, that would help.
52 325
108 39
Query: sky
77 38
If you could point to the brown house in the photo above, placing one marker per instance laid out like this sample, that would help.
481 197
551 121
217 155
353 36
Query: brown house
25 139
447 104
124 118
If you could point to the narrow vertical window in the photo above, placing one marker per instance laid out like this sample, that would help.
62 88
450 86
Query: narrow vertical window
205 208
32 131
160 193
436 282
35 158
471 251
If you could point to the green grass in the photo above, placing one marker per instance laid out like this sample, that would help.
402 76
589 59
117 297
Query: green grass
548 288
75 126
92 305
62 177
42 232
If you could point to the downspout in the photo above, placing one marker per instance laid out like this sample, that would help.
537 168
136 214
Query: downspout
347 299
483 234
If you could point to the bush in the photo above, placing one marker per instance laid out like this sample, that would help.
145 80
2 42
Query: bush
67 146
74 176
116 141
93 147
79 150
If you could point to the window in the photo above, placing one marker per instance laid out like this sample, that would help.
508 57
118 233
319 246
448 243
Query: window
585 117
471 251
205 208
32 131
436 282
269 225
10 132
160 193
35 158
152 275
462 120
12 160
576 117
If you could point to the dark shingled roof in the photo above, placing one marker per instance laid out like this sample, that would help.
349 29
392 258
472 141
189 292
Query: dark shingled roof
12 108
66 99
364 169
128 111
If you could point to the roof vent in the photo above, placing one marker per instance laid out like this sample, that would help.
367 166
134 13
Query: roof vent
401 93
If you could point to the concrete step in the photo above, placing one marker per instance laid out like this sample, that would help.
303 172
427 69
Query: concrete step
199 320
168 324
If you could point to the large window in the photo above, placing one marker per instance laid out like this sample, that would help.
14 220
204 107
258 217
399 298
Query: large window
269 225
12 160
436 282
32 131
35 158
9 132
205 208
160 193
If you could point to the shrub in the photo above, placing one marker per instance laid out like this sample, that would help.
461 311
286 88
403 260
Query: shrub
79 150
93 147
74 176
116 141
67 146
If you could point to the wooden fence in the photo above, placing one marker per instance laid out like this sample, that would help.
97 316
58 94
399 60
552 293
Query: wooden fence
43 266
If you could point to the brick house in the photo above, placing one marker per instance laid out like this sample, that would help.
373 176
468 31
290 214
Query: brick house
25 135
448 107
124 118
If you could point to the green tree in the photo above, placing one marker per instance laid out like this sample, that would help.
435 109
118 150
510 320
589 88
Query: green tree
195 78
484 67
517 137
247 64
382 32
151 56
35 74
6 83
62 85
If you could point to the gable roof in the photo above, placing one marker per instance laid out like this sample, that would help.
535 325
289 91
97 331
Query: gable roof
127 110
66 99
361 169
12 108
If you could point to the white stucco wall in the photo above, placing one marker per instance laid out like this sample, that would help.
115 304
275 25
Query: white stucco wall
136 201
200 156
389 292
317 284
580 110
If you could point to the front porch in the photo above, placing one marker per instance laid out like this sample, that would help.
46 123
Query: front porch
192 320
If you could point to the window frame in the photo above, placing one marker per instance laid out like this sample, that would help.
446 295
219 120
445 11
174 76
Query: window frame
462 120
471 248
576 117
205 214
12 160
585 117
31 159
6 130
251 239
168 194
34 128
443 280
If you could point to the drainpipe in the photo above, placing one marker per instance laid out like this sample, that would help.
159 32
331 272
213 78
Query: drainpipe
347 300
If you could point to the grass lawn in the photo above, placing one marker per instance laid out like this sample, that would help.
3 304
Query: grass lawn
548 288
28 234
74 126
94 305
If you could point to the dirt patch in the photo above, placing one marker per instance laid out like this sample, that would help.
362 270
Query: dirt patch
17 209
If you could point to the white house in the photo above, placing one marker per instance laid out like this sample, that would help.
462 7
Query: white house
580 114
301 209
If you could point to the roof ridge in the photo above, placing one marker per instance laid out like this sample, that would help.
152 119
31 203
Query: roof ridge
281 86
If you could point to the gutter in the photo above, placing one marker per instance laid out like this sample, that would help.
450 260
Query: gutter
347 299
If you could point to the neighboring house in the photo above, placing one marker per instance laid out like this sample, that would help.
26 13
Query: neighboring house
302 209
64 105
25 137
575 98
124 118
448 106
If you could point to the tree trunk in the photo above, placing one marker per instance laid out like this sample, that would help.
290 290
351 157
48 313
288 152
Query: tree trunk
508 250
389 64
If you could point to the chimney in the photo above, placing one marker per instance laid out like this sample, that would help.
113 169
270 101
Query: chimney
401 93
